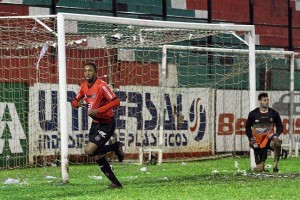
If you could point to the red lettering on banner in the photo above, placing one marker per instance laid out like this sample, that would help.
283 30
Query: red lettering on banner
297 126
285 123
240 126
225 126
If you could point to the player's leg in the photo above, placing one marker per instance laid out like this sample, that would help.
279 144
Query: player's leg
117 146
93 149
275 145
260 167
259 163
106 131
97 139
118 149
99 136
107 171
260 158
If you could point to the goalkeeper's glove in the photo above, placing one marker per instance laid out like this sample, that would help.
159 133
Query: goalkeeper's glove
274 135
253 143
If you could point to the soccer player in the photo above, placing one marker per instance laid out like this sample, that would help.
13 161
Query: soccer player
261 134
100 101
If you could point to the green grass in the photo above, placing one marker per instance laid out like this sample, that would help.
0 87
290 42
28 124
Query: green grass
213 179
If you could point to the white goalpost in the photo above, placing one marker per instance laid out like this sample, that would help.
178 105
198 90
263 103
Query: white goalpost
176 82
174 25
252 77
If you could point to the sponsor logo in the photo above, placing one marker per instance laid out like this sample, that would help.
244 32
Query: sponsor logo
93 96
197 119
11 130
98 138
283 105
262 130
102 134
137 119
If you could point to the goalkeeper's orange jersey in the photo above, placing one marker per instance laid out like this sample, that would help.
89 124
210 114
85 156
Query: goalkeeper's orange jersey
261 125
96 95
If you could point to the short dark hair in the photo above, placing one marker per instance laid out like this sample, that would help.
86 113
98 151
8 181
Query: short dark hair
91 64
262 95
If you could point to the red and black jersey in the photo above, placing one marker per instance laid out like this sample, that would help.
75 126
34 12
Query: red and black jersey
97 95
262 124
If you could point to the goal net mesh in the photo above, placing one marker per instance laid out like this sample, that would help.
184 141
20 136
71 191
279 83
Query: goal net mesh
205 91
275 76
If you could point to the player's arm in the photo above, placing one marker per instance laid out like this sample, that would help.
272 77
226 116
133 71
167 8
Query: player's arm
250 121
78 103
112 104
110 96
278 124
78 100
249 124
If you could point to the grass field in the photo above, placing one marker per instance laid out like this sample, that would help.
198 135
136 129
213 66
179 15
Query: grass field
227 178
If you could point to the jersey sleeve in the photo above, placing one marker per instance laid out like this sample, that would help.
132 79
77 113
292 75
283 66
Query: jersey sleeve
112 104
278 123
107 93
77 98
249 125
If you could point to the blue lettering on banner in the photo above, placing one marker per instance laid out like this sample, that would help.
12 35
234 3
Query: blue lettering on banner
136 103
48 125
184 124
150 124
52 124
121 110
52 141
202 118
136 112
169 124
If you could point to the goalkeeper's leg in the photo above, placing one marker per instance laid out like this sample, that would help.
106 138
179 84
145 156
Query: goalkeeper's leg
260 158
275 145
260 164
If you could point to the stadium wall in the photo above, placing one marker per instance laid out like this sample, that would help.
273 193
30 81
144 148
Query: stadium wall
277 22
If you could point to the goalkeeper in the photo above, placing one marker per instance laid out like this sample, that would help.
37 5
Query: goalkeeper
100 100
261 134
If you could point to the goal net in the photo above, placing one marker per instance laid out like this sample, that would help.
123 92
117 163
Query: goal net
278 74
185 88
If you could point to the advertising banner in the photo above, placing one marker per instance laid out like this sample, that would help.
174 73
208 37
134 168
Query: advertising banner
196 119
13 124
186 126
232 111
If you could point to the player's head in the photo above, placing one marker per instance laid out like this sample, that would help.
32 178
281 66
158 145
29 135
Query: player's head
92 65
263 99
90 72
262 95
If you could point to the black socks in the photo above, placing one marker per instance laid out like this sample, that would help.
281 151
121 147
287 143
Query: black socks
107 171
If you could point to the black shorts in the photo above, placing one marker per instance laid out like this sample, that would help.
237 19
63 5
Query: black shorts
100 133
261 154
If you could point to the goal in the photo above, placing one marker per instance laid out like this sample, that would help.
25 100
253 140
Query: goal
184 87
